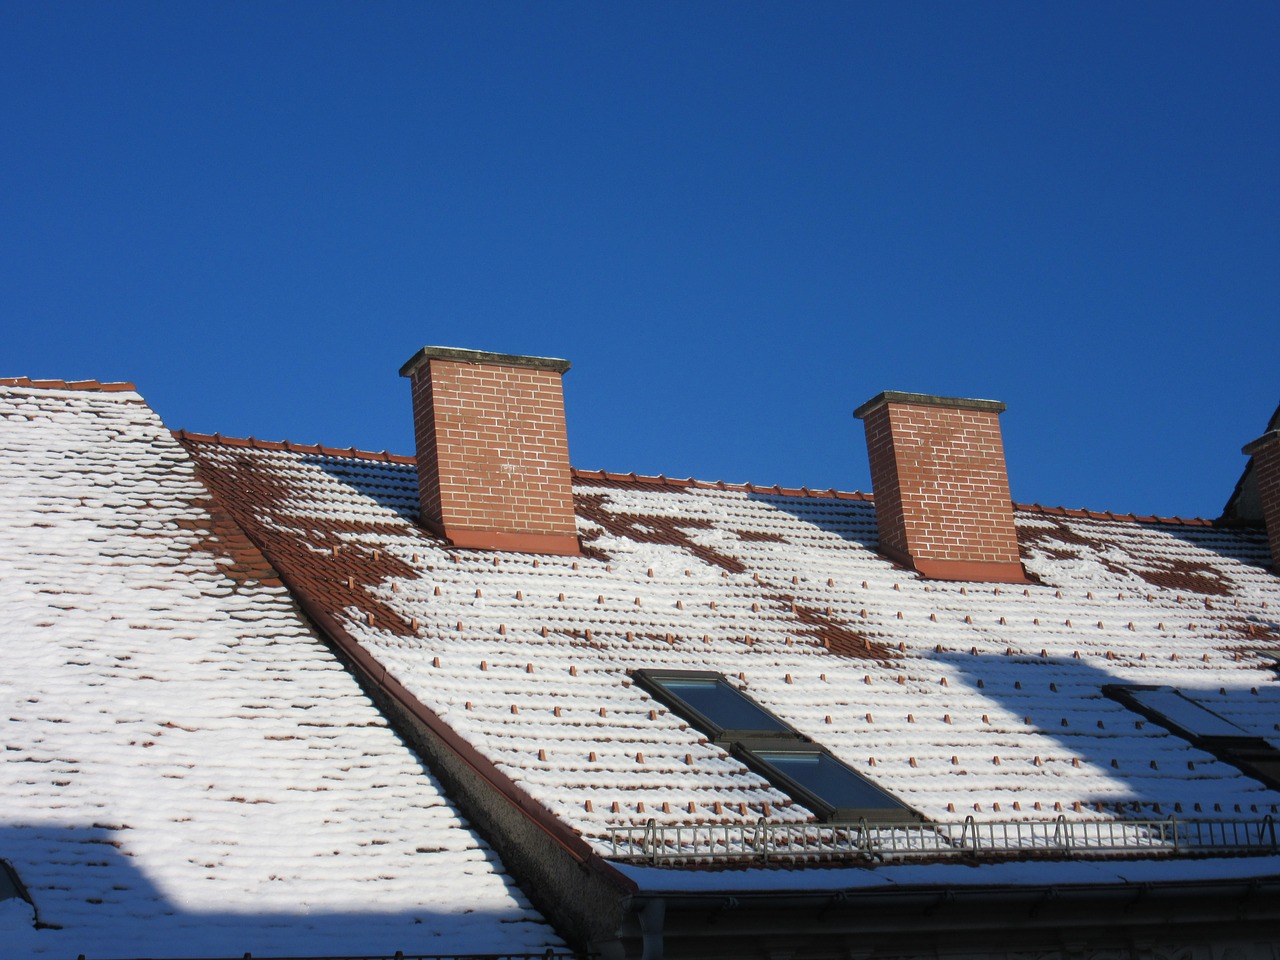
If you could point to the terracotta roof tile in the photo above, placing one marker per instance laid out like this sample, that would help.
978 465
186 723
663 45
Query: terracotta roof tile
914 683
382 456
119 387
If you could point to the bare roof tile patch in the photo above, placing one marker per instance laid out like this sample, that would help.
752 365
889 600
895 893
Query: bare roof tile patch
92 385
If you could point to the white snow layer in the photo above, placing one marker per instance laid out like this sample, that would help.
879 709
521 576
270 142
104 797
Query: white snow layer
187 770
987 703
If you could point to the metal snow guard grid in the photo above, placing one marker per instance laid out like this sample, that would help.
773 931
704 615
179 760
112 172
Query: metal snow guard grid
866 841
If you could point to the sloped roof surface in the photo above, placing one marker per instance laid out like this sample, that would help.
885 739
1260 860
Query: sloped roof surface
187 770
959 699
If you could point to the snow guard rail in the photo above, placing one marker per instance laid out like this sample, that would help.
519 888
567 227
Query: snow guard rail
870 842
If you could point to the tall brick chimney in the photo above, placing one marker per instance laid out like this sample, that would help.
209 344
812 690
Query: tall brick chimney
493 454
941 486
1266 470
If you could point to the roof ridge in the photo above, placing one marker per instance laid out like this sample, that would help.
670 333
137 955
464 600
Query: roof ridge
120 386
1085 514
382 456
662 480
832 493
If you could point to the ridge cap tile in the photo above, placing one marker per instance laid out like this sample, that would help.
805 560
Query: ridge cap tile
661 480
317 449
118 386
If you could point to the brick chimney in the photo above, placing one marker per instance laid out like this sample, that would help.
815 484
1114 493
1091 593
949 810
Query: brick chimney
493 454
1266 470
941 486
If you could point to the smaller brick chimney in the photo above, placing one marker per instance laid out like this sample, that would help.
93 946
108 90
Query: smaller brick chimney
1266 470
492 450
941 486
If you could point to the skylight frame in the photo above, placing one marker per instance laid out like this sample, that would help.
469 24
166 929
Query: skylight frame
1252 755
1131 695
659 683
756 755
763 750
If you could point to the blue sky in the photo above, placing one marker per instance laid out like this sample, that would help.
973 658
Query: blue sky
738 221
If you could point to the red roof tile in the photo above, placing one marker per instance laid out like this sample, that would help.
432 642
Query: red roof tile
118 387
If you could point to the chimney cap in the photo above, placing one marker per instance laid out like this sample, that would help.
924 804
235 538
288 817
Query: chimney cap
927 400
459 355
1254 446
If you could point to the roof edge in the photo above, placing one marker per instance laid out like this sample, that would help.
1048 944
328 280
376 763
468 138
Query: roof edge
121 386
289 446
661 480
1083 514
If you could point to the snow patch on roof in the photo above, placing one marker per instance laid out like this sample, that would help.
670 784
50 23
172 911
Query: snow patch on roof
188 771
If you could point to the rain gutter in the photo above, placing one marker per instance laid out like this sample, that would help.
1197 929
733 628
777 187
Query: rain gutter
1155 910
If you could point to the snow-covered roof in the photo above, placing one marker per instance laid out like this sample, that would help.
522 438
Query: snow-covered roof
188 770
962 700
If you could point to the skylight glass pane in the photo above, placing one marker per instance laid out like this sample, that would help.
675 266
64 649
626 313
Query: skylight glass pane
722 705
1185 713
828 779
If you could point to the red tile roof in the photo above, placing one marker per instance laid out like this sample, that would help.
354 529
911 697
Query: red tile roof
118 387
527 657
188 770
584 478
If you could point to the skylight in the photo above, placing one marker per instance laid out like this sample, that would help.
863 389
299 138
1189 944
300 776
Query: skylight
713 705
1183 712
1177 712
826 784
776 750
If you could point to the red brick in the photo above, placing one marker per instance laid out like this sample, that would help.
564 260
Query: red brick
493 458
1266 467
941 486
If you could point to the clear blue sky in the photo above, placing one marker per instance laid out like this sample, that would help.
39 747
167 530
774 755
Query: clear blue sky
738 221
